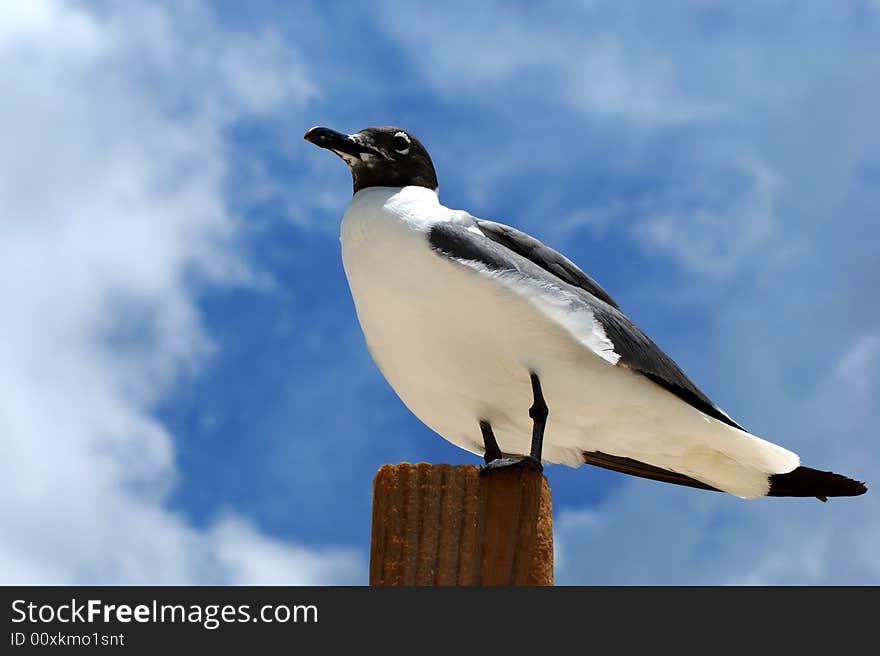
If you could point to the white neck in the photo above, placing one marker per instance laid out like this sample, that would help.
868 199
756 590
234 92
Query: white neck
418 207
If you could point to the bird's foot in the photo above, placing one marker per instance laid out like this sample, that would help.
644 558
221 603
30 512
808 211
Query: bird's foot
523 462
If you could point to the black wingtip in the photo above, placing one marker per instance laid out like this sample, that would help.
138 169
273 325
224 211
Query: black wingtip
807 482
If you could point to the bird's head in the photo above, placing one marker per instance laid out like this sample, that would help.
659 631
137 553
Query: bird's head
379 156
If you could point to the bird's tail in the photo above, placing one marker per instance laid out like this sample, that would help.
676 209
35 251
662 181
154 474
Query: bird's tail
807 482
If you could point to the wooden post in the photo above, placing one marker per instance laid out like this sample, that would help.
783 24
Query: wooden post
446 525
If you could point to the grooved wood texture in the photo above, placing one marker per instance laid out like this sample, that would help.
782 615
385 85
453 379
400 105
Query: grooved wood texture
446 525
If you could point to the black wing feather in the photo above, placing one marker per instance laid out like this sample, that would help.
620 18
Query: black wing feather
544 256
639 352
642 469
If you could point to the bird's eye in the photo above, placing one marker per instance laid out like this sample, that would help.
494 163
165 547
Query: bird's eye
400 142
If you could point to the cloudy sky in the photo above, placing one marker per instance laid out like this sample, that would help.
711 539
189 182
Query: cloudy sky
185 395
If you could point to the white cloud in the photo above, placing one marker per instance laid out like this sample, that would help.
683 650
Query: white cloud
860 364
646 534
718 219
112 216
245 555
579 58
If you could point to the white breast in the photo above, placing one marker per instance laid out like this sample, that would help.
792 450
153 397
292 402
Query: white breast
437 331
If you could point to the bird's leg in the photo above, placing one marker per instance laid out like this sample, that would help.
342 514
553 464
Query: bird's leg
489 442
538 412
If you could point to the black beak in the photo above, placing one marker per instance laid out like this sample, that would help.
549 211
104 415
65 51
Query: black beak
336 141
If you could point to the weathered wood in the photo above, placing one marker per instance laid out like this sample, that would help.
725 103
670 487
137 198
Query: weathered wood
446 525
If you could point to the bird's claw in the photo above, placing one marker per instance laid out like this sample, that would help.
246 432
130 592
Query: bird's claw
524 462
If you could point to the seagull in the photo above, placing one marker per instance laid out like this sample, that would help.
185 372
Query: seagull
507 349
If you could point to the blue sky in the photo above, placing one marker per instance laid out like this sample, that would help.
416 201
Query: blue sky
186 395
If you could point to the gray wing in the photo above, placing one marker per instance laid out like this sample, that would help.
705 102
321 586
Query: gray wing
544 256
636 350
